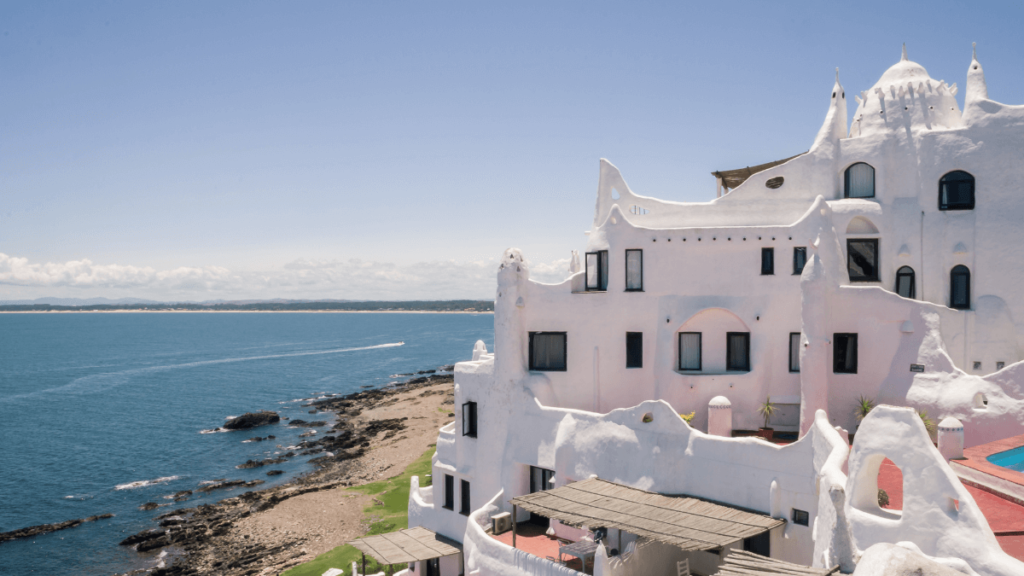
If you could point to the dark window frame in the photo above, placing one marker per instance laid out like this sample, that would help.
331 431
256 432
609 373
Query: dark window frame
801 517
969 205
602 271
906 271
849 337
469 430
626 268
846 180
959 270
700 352
849 258
799 269
768 265
565 353
449 492
635 353
728 352
465 504
791 370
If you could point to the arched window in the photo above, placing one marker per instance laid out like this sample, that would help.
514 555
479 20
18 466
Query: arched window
905 282
960 288
956 191
860 181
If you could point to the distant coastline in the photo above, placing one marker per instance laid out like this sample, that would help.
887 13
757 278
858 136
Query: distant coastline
404 307
168 311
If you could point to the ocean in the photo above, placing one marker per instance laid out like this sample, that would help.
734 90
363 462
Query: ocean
102 412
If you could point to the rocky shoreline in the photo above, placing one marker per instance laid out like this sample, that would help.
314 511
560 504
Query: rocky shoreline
206 539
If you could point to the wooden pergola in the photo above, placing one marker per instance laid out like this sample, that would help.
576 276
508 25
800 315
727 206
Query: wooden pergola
405 546
683 521
740 563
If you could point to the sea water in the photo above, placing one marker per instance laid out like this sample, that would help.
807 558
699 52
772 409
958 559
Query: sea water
102 412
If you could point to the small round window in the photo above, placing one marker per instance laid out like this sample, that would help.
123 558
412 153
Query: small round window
774 183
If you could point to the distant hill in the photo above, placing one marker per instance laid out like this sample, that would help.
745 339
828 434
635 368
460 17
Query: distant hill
254 306
76 301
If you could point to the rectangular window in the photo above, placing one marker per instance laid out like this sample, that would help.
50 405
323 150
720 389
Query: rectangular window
689 351
469 419
540 479
449 492
634 270
794 351
597 270
547 351
464 507
862 260
634 349
801 517
767 261
844 353
737 351
799 259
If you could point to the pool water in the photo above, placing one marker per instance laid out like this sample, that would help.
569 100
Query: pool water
1011 459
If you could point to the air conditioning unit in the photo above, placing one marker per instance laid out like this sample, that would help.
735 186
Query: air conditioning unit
501 523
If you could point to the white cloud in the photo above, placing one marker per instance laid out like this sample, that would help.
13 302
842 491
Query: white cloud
347 279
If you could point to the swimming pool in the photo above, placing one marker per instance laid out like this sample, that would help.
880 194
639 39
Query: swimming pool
1012 459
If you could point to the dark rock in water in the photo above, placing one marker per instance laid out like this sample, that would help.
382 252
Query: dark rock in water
419 380
271 437
172 521
447 368
220 485
149 506
183 495
158 542
258 463
47 528
142 537
275 472
304 424
252 420
255 439
426 371
312 411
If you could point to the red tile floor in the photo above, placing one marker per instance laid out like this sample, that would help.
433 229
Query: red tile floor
531 538
1005 517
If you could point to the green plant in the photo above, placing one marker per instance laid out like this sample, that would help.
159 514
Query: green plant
883 498
767 410
394 515
864 405
929 424
688 417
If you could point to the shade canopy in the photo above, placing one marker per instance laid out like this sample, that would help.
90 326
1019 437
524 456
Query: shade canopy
740 563
410 545
733 178
683 521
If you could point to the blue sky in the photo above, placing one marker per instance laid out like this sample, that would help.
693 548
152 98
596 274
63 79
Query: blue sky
214 150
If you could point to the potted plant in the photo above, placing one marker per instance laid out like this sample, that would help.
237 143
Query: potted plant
864 405
929 424
767 409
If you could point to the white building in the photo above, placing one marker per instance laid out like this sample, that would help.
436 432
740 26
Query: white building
883 263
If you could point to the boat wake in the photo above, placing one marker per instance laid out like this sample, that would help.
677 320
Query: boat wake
95 383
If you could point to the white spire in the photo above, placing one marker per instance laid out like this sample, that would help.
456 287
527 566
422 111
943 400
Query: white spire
977 89
904 57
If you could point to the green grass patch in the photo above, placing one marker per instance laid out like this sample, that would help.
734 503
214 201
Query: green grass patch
393 515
